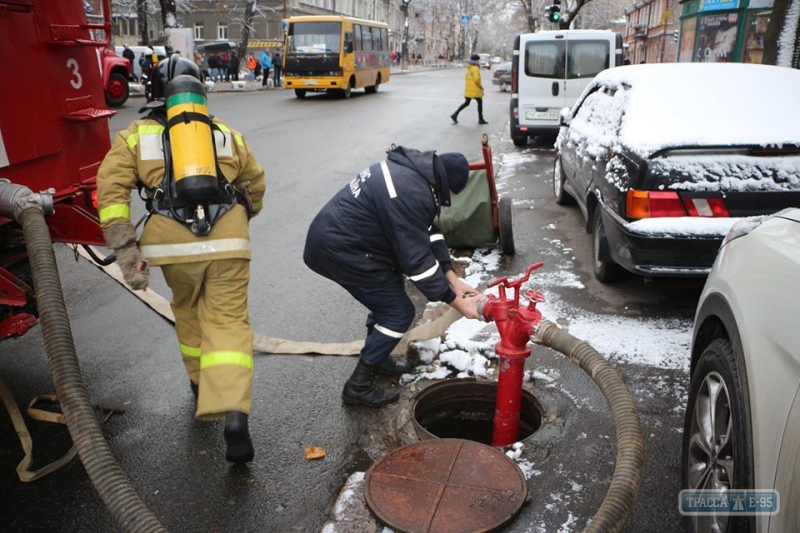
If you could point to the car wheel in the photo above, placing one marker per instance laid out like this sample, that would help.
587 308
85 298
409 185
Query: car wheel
300 93
506 229
520 141
348 91
118 90
373 89
605 272
717 440
562 197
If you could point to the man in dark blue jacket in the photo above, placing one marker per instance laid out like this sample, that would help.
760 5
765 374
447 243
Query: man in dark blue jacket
377 229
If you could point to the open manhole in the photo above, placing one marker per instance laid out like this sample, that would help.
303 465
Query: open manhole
464 409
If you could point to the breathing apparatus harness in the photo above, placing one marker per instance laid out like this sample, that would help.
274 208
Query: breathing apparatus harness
194 190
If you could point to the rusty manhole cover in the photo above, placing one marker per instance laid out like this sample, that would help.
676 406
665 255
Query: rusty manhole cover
445 486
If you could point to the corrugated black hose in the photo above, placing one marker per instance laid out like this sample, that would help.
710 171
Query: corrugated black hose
629 468
112 484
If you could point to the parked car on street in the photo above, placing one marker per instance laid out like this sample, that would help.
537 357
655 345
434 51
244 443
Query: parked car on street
742 423
485 61
662 159
502 75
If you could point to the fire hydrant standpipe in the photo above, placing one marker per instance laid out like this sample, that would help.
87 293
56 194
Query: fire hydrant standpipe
515 326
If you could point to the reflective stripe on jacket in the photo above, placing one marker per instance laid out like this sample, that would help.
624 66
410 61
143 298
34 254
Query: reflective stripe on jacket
137 156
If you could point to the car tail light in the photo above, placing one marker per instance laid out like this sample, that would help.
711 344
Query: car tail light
515 112
706 207
649 204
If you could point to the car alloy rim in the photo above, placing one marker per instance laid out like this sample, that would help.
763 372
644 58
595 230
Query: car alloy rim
597 263
557 181
711 464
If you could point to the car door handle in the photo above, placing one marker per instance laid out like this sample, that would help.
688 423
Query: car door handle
555 88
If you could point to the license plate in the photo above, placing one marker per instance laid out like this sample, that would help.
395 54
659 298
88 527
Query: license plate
311 82
541 115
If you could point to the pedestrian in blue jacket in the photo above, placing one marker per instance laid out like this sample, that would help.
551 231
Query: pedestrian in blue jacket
266 65
378 229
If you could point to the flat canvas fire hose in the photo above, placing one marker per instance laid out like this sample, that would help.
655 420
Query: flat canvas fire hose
274 345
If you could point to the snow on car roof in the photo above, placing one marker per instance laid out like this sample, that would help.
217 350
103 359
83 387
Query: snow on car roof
723 104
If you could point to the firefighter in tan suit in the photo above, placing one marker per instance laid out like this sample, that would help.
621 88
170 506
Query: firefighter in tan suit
208 274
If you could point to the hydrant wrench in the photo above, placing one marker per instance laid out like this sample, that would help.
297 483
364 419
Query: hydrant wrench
515 325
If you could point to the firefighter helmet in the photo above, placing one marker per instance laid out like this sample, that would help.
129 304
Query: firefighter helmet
170 68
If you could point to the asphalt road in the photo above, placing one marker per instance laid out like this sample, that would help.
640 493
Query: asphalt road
310 148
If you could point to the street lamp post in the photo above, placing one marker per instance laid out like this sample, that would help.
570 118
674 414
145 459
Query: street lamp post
404 51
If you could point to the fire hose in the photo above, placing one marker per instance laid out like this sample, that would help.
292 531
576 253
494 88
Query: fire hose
629 467
28 209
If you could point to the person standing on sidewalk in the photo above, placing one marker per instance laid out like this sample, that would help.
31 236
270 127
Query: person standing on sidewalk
277 66
266 65
251 67
473 89
377 229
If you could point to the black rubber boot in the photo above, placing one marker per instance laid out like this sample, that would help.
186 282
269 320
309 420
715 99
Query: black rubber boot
237 438
481 121
359 389
454 118
393 367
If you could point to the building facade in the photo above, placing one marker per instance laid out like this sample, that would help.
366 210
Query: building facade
434 29
652 31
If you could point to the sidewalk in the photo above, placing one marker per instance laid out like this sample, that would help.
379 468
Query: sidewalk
136 90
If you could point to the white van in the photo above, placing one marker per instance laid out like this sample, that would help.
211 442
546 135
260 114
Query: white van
549 71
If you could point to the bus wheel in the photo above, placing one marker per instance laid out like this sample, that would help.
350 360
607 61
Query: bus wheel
346 92
374 88
300 93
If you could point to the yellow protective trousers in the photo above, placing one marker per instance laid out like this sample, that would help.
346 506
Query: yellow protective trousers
209 301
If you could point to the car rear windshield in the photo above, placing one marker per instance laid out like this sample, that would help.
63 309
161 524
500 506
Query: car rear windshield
578 59
724 172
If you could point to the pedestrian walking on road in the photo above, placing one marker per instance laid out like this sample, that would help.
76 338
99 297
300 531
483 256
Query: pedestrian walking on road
207 271
473 89
377 229
266 65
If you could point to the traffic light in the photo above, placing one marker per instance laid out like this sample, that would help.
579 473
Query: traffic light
554 12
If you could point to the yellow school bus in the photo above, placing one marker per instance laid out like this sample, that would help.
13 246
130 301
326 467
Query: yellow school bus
335 53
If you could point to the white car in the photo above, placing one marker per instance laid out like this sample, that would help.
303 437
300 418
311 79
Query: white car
742 426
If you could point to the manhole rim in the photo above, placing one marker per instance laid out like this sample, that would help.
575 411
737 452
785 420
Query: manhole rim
420 429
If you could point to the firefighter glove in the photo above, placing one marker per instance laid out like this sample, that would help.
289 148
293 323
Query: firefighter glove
133 266
122 238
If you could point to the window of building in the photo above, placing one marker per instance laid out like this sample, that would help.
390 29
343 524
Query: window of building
222 32
756 26
198 31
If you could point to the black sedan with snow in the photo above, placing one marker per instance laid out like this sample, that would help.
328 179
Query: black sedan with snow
662 159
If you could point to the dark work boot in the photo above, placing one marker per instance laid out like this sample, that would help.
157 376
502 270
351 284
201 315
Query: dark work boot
481 121
359 389
393 367
237 438
454 118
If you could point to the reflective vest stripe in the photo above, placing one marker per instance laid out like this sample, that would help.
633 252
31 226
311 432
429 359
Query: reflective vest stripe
428 273
387 177
238 138
153 251
144 129
226 358
258 205
437 237
388 332
190 351
115 211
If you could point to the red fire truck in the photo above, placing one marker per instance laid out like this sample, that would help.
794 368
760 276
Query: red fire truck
53 136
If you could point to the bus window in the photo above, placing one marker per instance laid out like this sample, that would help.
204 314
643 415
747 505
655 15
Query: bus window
376 39
366 36
384 40
314 37
357 38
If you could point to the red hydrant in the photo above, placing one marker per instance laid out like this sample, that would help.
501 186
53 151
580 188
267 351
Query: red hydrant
516 327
